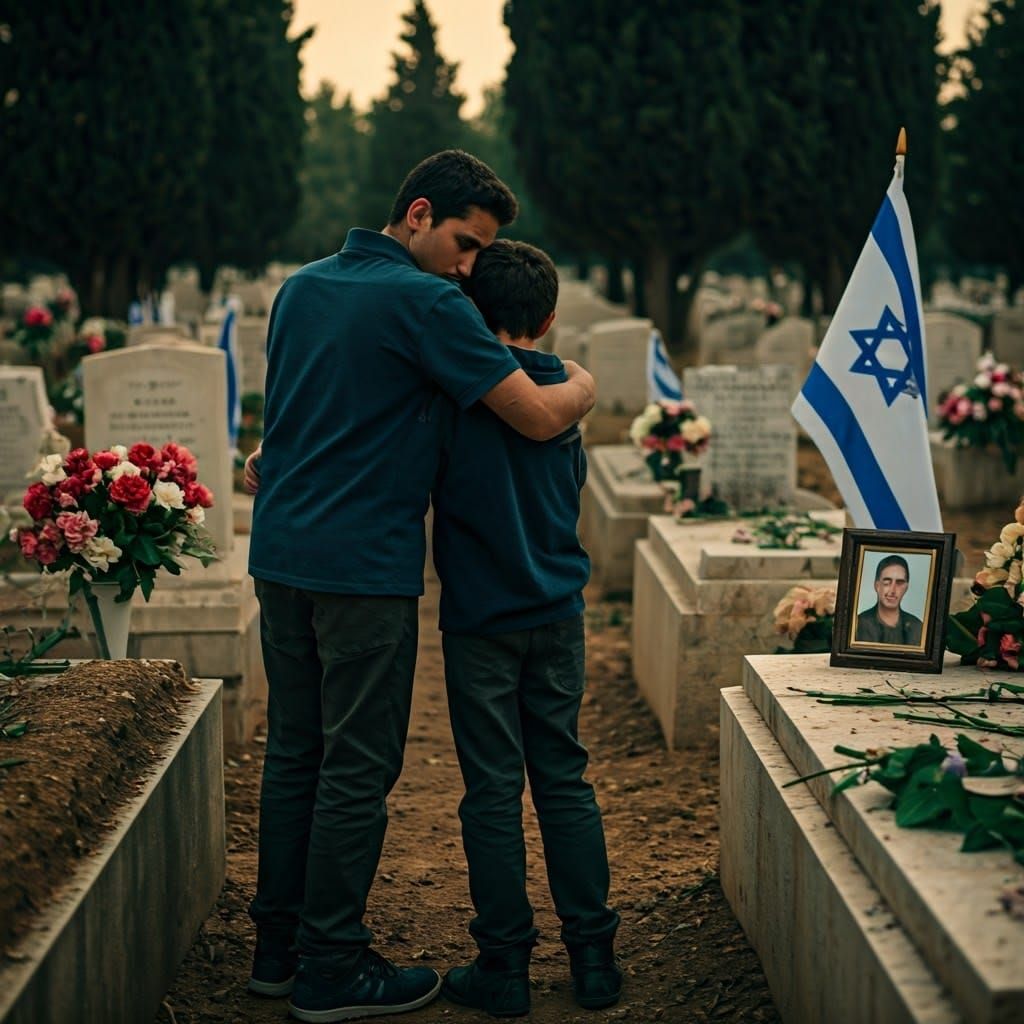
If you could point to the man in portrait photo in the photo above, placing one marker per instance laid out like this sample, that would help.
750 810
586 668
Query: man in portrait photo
886 622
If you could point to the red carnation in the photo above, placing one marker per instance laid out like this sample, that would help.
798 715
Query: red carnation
78 460
197 494
28 542
45 553
37 316
38 501
131 491
106 460
179 464
69 490
145 456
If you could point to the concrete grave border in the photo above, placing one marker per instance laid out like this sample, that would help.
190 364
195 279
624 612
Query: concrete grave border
109 946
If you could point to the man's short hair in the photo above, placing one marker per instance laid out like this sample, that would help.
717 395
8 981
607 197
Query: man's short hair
892 560
515 287
454 181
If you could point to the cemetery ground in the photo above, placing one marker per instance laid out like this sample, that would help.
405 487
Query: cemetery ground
684 954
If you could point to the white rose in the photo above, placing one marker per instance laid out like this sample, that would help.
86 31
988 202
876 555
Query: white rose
101 553
998 555
52 469
641 426
695 430
1011 533
196 515
125 468
120 451
168 495
983 380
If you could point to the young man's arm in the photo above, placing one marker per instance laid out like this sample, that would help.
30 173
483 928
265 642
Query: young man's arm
541 413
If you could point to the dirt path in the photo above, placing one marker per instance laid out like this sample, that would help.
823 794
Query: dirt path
684 955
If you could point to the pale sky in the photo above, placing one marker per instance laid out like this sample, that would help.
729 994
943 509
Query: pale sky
355 39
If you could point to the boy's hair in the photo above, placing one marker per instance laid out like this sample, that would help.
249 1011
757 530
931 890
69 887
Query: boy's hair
515 287
454 181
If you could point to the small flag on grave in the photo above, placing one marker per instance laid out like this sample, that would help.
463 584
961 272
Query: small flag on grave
662 383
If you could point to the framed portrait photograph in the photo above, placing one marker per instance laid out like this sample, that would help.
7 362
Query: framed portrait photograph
892 600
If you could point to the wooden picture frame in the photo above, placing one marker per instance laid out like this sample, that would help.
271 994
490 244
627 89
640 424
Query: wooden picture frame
909 577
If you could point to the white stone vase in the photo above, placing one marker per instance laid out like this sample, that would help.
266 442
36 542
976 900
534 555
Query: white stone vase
111 620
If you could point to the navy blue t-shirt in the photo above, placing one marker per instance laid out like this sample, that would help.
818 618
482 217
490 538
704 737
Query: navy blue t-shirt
361 347
505 513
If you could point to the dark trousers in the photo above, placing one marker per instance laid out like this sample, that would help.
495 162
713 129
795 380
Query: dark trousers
340 670
514 701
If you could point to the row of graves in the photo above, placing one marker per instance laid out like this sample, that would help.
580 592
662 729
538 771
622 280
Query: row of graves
854 916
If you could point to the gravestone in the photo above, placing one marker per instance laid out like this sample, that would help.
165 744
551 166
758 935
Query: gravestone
953 344
1007 336
616 354
751 461
24 418
13 300
143 334
730 339
252 353
790 342
580 306
166 392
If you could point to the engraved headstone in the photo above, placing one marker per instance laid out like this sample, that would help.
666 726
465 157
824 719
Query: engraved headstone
616 354
1007 334
166 392
143 334
24 418
751 462
954 345
252 354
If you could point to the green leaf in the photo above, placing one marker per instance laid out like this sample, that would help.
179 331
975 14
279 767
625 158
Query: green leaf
979 838
145 550
979 758
146 582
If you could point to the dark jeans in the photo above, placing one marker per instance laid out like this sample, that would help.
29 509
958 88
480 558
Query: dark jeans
340 670
514 701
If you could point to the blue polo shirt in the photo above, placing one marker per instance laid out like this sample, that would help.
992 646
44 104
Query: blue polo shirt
361 347
505 513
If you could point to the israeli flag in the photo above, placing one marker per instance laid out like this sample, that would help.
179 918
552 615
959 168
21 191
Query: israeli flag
228 343
662 383
864 403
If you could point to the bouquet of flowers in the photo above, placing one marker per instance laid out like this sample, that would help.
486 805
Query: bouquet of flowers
989 634
989 410
806 615
40 325
116 516
670 432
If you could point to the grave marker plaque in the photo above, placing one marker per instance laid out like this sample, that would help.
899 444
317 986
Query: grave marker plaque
24 416
954 347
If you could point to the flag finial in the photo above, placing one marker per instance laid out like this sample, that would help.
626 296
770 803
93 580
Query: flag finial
901 143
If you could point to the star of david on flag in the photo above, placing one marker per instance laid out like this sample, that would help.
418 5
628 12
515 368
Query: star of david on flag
864 403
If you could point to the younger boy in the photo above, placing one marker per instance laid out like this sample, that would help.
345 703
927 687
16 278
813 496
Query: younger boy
512 571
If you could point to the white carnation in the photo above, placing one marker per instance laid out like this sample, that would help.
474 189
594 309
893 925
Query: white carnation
695 430
125 468
52 469
196 515
168 495
120 451
101 553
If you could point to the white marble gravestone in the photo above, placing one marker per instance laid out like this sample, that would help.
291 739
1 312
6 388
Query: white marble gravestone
730 339
24 419
580 306
1007 336
252 353
616 354
158 393
953 344
790 342
751 461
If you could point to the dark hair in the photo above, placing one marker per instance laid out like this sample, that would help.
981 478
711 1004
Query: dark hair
892 560
454 181
515 287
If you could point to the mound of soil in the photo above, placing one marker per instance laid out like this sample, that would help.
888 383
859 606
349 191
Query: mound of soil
92 733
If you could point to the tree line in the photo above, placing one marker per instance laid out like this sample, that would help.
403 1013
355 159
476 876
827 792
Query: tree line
646 135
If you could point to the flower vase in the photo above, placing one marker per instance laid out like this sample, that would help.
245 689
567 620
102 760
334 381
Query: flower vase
689 483
111 620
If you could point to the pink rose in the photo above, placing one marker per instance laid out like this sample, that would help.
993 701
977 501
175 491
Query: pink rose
651 443
28 542
132 492
1009 649
95 343
37 316
49 534
38 501
78 529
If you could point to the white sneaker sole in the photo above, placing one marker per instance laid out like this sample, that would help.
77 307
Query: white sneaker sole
361 1012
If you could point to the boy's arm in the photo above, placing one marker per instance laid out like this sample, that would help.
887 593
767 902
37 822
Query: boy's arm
541 413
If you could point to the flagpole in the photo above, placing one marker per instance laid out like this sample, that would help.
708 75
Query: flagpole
901 151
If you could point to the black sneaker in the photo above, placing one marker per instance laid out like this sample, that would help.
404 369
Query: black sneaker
596 978
273 963
325 992
498 985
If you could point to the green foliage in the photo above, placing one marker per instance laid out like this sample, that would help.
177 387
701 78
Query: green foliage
418 116
104 128
832 85
250 180
334 155
986 146
631 121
